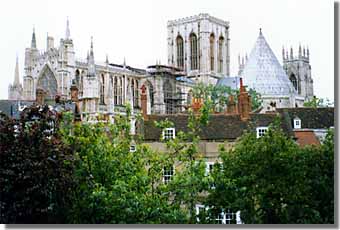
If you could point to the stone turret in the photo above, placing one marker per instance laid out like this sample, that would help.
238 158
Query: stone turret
15 89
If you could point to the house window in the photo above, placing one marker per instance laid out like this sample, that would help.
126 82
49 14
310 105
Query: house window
297 123
132 148
169 133
223 217
168 172
260 131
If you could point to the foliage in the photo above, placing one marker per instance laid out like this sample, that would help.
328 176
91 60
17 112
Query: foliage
35 169
115 185
218 95
318 102
272 180
190 180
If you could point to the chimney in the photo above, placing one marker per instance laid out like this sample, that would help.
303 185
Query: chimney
40 96
196 104
244 102
144 102
231 106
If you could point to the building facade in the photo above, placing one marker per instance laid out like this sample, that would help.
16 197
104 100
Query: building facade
298 70
200 46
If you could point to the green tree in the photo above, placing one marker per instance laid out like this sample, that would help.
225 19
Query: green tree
318 102
272 180
218 95
114 184
190 182
36 169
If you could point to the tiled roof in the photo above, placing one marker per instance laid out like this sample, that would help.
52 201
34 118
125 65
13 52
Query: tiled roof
230 127
263 72
220 127
311 118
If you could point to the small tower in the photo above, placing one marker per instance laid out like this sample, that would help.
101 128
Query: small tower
298 70
90 101
15 90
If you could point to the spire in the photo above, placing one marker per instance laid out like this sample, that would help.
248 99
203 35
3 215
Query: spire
283 52
260 31
33 42
304 51
246 57
91 50
124 63
16 74
107 59
67 34
307 52
300 52
291 53
239 60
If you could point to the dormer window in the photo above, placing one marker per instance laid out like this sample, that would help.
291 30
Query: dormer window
168 133
297 123
260 131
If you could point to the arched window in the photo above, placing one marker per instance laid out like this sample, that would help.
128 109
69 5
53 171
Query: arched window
212 52
220 54
102 85
132 88
120 91
115 90
81 83
77 73
111 88
193 51
151 93
292 78
168 98
189 98
180 51
136 98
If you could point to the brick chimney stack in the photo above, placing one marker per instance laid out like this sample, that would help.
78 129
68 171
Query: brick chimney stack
231 106
244 102
40 96
144 102
196 104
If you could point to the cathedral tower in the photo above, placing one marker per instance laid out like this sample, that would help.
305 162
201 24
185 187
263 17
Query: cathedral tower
15 90
298 70
199 45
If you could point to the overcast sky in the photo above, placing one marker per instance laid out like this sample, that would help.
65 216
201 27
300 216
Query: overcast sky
137 30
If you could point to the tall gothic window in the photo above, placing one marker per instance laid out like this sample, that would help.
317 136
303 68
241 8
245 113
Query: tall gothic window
212 52
168 98
220 54
150 91
77 73
136 98
81 83
132 88
120 91
292 78
193 51
102 85
115 90
180 51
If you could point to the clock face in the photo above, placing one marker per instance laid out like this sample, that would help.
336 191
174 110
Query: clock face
48 83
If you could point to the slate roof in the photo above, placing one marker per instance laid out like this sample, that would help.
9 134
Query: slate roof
311 118
13 108
229 127
264 73
221 127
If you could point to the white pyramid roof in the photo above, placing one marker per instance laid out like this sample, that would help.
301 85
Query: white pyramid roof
264 73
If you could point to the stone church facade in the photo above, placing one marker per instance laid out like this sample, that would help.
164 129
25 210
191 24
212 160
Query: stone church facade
200 46
198 51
